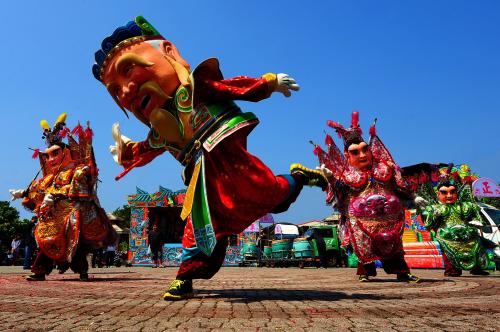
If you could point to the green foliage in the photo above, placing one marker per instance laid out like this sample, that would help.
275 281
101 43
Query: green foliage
123 246
124 214
10 223
494 201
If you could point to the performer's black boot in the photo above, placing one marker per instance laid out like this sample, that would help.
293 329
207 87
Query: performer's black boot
479 272
84 276
179 290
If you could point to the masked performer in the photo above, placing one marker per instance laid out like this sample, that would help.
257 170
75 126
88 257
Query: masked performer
70 219
367 188
192 115
449 216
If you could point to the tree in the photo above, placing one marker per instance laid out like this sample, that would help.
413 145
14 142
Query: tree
494 201
123 213
10 223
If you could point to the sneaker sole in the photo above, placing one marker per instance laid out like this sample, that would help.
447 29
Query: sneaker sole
170 297
301 168
32 279
411 281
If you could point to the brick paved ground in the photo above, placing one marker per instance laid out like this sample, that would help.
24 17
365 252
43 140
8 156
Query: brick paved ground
249 299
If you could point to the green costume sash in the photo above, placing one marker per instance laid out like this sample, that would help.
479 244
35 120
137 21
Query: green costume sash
196 205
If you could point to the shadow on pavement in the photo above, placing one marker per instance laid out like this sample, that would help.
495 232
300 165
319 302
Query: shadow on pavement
253 295
105 272
422 281
104 279
470 276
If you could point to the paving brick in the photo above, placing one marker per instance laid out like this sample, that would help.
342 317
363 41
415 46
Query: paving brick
129 299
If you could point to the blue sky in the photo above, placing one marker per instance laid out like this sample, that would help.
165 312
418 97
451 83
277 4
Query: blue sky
428 70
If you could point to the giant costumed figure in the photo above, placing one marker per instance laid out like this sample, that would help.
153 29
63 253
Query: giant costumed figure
366 186
71 221
192 115
449 215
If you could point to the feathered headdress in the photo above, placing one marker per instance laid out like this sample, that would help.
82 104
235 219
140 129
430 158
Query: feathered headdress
80 149
54 135
457 176
353 134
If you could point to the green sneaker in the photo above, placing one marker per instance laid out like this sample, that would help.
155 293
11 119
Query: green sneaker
311 177
363 278
35 277
408 277
179 290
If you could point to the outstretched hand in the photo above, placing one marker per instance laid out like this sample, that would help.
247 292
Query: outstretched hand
120 140
16 193
326 172
420 202
285 83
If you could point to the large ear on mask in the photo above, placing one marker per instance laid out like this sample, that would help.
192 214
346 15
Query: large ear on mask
171 50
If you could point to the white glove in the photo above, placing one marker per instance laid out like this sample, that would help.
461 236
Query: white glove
285 83
476 223
48 200
116 150
326 172
16 193
80 173
420 202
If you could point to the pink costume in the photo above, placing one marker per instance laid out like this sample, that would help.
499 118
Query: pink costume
369 200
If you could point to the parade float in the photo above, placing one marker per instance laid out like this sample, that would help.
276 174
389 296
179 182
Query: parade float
162 207
421 249
420 245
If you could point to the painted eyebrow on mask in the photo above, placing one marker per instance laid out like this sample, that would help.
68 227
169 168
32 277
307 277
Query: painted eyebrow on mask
128 59
112 89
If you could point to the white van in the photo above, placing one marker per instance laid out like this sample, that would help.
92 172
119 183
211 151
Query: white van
491 219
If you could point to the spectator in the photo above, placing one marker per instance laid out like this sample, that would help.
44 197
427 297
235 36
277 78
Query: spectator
15 246
156 246
313 233
110 255
97 257
29 243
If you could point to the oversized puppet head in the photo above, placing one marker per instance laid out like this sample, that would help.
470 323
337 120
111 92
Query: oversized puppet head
447 192
356 150
58 155
140 69
452 182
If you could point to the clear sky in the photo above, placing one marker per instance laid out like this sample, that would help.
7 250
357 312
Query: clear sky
428 70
